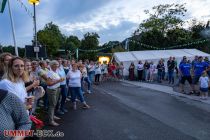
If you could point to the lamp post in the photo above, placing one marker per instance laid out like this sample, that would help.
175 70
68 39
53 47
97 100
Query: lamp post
36 48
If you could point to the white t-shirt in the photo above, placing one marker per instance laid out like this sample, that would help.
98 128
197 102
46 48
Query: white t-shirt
140 66
74 78
204 82
104 68
16 88
54 76
97 69
152 67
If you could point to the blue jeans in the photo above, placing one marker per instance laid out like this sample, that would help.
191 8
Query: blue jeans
91 76
159 75
86 79
163 75
63 96
171 76
146 74
76 92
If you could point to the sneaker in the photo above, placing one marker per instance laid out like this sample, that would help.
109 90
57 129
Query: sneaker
183 92
64 110
67 99
53 123
190 93
88 91
56 118
60 112
85 106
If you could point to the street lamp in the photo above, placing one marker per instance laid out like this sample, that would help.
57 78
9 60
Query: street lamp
34 3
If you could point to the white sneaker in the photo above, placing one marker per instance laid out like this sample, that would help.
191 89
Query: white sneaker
67 99
56 118
53 123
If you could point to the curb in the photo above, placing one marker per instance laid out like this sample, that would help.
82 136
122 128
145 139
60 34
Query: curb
166 89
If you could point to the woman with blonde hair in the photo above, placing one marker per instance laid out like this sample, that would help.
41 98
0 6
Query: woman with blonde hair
14 79
15 76
4 60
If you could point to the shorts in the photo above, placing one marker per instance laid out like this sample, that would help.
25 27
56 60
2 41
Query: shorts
204 89
196 79
184 78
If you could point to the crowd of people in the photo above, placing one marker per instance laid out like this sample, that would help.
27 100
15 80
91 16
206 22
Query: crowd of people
195 71
51 83
48 84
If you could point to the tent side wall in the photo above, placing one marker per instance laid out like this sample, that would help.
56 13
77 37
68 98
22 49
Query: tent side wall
155 56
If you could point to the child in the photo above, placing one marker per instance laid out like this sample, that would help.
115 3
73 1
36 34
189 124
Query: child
204 84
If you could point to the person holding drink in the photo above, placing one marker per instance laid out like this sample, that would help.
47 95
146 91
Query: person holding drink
14 80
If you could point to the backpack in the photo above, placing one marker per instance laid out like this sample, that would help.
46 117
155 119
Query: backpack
3 94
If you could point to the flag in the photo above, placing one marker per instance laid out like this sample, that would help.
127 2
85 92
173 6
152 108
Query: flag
2 5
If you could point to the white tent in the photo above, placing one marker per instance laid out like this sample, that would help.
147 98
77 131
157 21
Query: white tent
155 56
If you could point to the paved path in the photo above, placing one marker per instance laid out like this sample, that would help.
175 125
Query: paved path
123 111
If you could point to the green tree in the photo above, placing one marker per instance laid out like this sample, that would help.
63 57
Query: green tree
51 37
72 43
196 29
1 48
10 49
163 28
154 38
112 46
89 42
164 17
21 52
178 36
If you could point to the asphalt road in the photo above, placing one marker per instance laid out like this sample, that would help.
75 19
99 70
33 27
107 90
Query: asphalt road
121 111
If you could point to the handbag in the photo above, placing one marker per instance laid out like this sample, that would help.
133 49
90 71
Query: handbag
38 123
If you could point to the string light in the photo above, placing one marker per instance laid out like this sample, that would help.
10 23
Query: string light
149 46
26 8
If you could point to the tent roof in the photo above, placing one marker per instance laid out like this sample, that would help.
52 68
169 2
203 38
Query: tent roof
157 54
124 56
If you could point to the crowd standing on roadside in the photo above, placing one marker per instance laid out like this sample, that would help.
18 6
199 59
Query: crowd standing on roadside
26 85
49 84
196 72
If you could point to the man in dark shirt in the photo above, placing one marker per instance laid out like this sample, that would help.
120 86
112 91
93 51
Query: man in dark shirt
171 67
